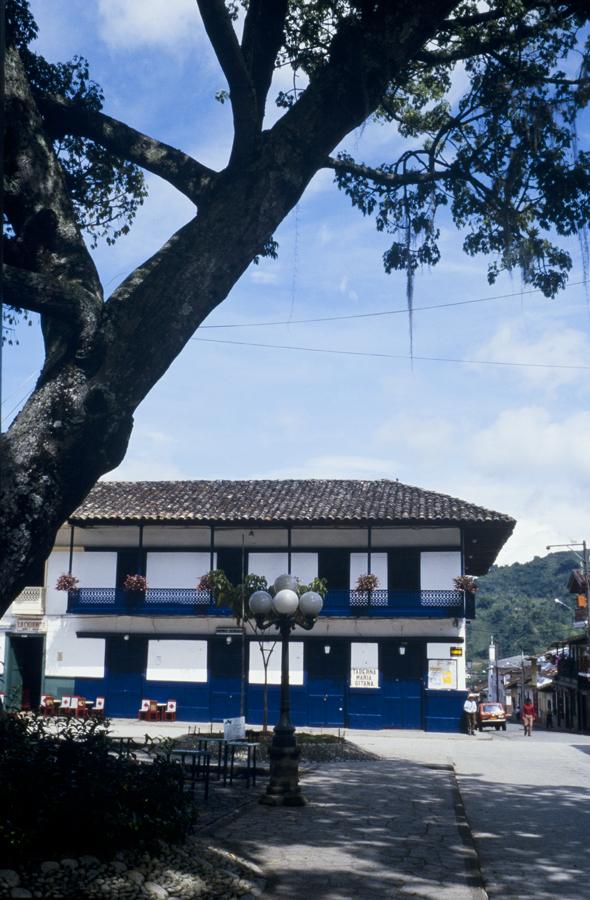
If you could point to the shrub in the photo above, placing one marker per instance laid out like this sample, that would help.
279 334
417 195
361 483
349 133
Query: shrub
135 583
66 582
465 583
367 583
64 792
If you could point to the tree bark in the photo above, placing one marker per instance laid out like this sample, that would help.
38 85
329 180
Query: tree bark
77 424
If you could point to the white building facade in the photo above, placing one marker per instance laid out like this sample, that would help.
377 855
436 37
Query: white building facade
390 658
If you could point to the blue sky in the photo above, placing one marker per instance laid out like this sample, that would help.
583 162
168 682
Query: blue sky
511 438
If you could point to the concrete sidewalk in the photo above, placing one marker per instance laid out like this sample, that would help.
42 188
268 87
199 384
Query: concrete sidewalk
371 830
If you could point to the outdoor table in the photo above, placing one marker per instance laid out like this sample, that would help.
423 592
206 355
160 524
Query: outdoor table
203 744
199 760
161 711
250 770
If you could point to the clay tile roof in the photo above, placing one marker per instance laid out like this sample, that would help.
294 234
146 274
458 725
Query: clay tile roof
311 501
297 502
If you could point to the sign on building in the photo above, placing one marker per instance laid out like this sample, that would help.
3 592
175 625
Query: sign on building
442 675
364 677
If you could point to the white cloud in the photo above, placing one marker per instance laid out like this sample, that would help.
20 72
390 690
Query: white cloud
532 443
134 23
523 342
263 276
366 467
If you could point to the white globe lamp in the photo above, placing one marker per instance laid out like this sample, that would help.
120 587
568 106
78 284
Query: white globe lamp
311 604
285 602
283 582
260 603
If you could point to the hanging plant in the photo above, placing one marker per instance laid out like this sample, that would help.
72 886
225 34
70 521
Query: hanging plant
465 583
66 582
220 586
367 582
135 583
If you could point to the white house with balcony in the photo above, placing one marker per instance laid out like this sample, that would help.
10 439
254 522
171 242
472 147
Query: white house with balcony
393 657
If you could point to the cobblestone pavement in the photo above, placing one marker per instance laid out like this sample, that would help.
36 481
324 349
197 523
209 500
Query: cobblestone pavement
371 830
527 801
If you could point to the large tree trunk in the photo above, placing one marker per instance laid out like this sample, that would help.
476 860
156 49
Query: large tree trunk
103 360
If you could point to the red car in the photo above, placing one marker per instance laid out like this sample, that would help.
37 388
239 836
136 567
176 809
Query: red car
491 714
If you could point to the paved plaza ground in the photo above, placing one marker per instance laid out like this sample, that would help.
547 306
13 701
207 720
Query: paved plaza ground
440 816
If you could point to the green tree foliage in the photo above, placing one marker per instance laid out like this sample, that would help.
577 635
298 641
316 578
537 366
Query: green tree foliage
516 605
106 191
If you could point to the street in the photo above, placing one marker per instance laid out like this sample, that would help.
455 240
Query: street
527 801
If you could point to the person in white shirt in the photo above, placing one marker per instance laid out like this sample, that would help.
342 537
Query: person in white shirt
470 708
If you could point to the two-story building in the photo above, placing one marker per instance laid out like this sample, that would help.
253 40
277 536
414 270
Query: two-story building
393 657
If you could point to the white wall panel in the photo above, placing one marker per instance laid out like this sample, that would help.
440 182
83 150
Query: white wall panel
364 655
438 569
359 565
177 570
69 656
271 565
304 566
256 667
177 661
92 569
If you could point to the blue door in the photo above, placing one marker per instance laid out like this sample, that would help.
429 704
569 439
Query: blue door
402 683
126 662
225 672
402 703
327 675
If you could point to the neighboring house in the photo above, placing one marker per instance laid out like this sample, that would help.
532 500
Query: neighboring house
394 658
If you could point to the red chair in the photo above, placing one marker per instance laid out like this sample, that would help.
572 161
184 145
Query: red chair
47 705
64 708
170 711
149 711
78 708
97 711
153 713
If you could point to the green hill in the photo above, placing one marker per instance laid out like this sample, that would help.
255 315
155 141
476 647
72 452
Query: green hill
515 605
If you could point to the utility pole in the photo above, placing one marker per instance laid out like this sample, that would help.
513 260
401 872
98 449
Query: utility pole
492 671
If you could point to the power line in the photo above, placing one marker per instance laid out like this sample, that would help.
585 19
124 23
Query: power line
471 362
386 312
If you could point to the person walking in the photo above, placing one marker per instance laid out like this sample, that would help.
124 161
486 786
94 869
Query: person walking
528 716
470 709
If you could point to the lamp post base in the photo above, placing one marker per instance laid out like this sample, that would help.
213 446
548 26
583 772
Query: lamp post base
283 788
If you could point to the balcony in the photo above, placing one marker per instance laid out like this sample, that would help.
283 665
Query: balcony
153 602
385 604
190 602
30 602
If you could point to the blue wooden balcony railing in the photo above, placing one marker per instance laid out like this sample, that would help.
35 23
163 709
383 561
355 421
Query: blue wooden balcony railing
189 602
153 602
415 604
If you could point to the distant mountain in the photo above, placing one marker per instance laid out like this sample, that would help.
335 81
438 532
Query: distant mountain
516 605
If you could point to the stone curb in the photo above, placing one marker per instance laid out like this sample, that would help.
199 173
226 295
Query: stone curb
472 861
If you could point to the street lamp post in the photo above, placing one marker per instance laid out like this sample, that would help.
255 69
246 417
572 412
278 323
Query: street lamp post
284 611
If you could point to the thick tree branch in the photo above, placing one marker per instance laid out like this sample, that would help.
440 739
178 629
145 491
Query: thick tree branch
180 170
500 40
37 201
39 209
43 294
388 179
363 60
261 41
224 41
